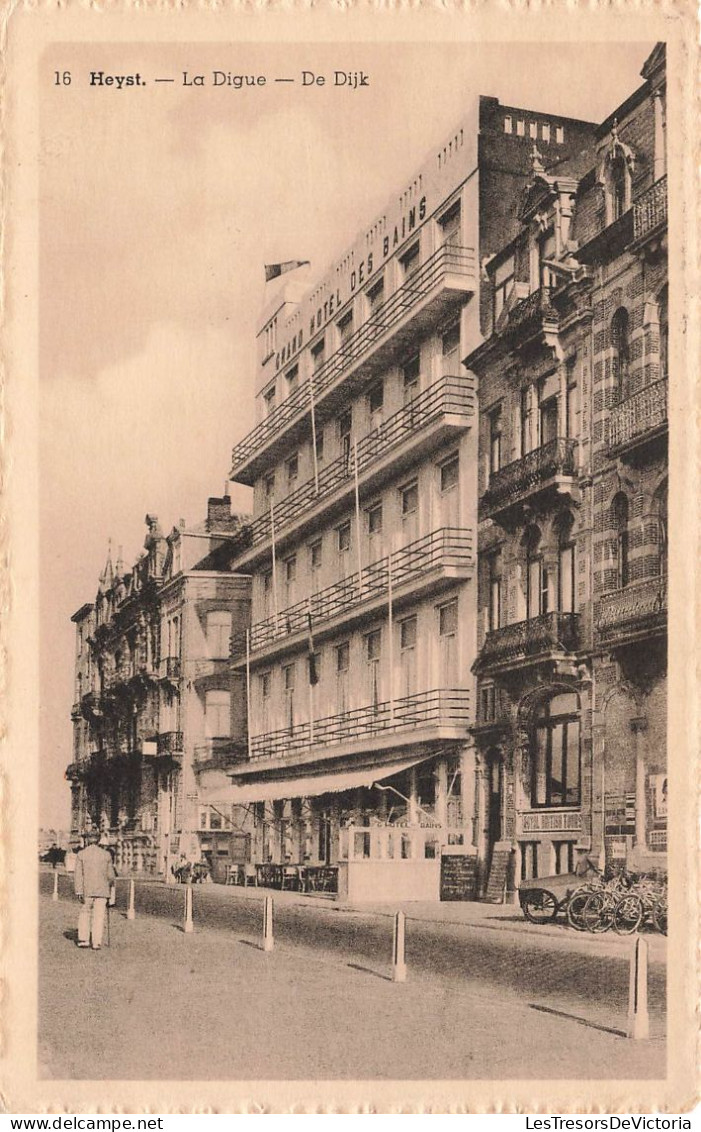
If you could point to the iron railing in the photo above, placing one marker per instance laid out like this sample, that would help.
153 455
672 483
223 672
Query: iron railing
446 548
537 305
169 742
550 632
634 609
169 668
650 209
527 474
219 751
453 396
439 708
638 415
447 260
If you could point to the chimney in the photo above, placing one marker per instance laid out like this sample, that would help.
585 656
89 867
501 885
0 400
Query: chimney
218 512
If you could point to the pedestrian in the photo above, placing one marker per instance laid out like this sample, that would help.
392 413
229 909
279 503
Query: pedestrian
584 865
93 878
70 859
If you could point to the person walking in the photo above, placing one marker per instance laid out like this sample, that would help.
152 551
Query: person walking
94 875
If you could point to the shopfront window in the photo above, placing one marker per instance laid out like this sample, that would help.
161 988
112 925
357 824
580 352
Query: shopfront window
556 753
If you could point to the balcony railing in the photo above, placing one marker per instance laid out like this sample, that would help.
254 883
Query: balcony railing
525 640
447 260
451 396
529 474
217 752
537 305
446 548
442 708
650 210
634 611
639 415
169 742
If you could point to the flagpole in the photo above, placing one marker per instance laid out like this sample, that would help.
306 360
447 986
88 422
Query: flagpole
314 457
248 689
390 623
357 517
272 538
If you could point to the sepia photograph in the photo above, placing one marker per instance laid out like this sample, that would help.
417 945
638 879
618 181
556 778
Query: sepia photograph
354 369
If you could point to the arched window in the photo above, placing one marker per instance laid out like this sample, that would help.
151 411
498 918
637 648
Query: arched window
661 514
620 344
620 514
565 564
663 316
618 187
555 753
536 575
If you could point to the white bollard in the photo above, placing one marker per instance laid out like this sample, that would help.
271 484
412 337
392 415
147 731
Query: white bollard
638 1017
189 927
398 949
54 894
131 911
268 924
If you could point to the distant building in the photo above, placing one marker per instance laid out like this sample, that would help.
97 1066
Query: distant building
361 766
571 717
156 713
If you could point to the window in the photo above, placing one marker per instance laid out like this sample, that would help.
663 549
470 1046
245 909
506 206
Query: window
571 397
318 355
292 469
660 503
450 226
521 128
565 565
488 702
536 576
407 633
559 135
555 753
344 426
376 395
292 379
217 713
494 575
373 643
529 859
288 677
663 315
620 517
508 124
342 657
564 856
548 420
269 486
411 259
545 131
264 684
450 473
291 569
448 619
267 583
411 371
618 187
495 431
620 345
450 345
546 253
533 129
410 498
319 445
219 633
269 400
504 277
375 295
343 534
345 327
315 555
374 519
525 419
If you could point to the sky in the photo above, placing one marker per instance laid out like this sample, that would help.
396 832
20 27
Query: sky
159 205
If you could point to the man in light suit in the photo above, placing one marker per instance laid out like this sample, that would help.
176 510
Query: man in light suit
94 875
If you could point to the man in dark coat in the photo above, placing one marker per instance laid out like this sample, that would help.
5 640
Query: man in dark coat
94 875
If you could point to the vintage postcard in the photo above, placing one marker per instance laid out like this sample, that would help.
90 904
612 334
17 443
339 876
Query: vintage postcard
349 527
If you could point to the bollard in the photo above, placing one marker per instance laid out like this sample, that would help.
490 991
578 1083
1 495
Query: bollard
638 1017
188 909
131 911
398 949
268 924
54 894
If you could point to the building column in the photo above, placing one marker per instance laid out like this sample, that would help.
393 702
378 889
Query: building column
562 399
469 774
412 811
441 792
660 162
638 726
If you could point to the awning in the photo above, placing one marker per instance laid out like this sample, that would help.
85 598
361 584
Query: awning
311 786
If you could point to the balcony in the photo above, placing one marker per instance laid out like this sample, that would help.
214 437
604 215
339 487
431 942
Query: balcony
550 468
445 280
527 316
549 636
169 743
631 614
91 705
650 211
169 669
440 715
639 419
444 555
441 411
216 754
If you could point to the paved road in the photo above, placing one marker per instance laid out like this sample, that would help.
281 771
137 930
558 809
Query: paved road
477 1003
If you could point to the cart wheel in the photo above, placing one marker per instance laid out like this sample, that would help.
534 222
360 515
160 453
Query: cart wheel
659 917
575 910
539 906
627 914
